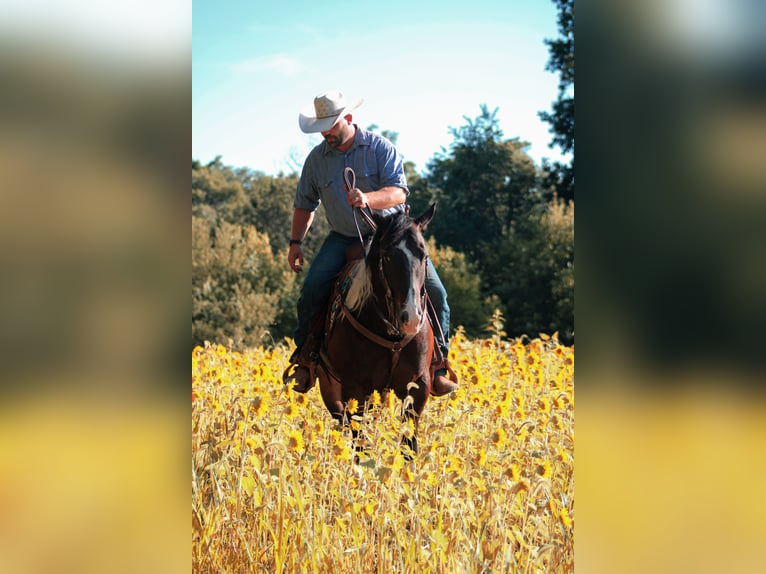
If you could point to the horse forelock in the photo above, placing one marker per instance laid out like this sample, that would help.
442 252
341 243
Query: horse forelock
360 288
397 228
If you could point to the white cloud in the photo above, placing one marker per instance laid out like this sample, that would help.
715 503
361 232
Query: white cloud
281 64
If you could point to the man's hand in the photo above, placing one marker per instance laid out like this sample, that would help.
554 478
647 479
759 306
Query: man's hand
295 258
356 198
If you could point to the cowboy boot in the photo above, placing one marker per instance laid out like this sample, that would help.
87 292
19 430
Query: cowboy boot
300 377
441 384
443 378
304 359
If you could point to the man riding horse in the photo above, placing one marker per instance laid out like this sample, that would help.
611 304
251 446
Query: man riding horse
381 187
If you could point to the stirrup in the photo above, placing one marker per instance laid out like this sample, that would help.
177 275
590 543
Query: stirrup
292 362
441 386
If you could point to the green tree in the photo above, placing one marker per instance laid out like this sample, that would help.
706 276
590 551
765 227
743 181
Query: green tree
391 136
561 116
247 197
270 207
467 305
240 289
494 208
217 192
481 185
534 272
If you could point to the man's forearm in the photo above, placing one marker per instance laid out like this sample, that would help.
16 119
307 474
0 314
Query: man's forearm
385 197
302 219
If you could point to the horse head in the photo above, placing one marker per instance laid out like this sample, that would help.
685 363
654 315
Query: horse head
397 259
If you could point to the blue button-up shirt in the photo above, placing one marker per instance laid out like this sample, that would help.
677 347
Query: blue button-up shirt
376 163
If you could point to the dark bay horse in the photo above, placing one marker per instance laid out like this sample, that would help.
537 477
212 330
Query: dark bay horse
377 332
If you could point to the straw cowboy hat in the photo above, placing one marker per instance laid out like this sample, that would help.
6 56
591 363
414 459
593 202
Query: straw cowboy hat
327 110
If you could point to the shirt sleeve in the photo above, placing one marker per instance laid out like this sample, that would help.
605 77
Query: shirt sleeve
307 192
390 166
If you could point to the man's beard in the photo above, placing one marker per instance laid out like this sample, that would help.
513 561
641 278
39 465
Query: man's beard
332 140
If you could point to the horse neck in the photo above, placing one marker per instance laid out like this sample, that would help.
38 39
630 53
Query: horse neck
360 288
368 306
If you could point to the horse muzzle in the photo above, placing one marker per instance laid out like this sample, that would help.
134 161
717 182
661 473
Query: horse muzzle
410 320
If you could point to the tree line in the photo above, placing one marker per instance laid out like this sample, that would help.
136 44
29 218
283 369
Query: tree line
501 239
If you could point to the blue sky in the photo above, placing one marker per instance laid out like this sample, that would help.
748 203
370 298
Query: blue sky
420 67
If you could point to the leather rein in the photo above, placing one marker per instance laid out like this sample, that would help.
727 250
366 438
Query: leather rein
395 346
350 179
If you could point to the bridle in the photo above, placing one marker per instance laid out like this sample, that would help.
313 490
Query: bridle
391 328
398 340
349 178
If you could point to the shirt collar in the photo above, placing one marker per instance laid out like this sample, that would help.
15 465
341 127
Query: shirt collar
361 138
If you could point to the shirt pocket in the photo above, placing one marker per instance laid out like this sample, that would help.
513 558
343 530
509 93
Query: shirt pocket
367 176
330 186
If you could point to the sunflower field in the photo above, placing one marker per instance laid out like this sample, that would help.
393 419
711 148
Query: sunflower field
276 485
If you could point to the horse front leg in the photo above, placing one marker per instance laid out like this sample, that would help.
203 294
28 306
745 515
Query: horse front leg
414 404
332 395
410 441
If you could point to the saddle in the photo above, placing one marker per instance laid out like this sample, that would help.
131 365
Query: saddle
308 355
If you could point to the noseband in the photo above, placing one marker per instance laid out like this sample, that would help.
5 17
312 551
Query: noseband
392 328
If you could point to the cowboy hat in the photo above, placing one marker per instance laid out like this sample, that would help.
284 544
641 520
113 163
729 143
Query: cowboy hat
328 108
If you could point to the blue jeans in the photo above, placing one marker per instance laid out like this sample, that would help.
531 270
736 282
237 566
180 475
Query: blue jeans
326 265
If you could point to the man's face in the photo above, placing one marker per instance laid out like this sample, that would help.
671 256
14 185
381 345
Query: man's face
334 136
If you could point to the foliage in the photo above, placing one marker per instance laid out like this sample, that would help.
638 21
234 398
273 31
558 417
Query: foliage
498 209
463 285
240 290
246 197
561 117
390 135
481 186
275 487
217 194
534 277
270 208
421 195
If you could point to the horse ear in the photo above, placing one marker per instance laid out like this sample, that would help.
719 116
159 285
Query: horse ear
426 217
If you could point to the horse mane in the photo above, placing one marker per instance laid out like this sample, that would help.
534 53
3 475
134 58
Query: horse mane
360 289
391 230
